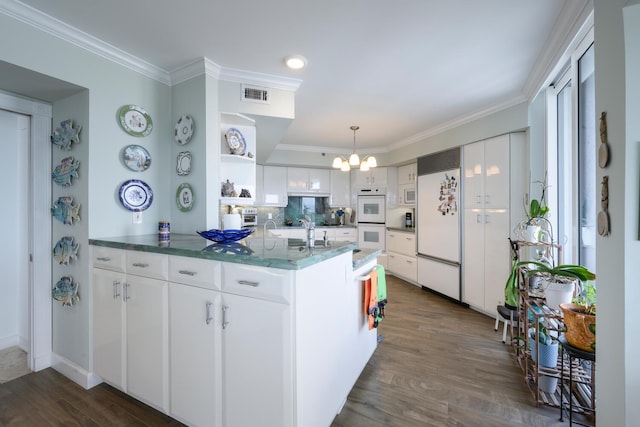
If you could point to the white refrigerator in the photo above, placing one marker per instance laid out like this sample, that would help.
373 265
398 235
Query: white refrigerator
438 230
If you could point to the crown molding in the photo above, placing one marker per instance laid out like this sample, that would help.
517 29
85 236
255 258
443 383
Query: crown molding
50 25
59 29
332 150
573 23
260 79
195 68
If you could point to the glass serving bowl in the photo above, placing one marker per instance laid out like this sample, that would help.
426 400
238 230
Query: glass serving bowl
223 236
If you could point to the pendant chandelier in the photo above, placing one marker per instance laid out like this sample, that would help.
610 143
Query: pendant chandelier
343 164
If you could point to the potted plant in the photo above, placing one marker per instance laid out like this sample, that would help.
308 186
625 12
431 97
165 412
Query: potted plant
580 319
534 228
545 353
561 276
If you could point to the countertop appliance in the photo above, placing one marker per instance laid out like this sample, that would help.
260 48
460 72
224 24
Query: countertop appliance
439 224
249 217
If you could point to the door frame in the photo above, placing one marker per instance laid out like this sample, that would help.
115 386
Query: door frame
39 218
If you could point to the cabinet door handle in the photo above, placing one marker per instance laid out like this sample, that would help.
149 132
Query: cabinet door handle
140 264
224 316
103 258
408 238
187 272
249 283
125 291
487 219
478 199
487 199
208 312
479 219
116 294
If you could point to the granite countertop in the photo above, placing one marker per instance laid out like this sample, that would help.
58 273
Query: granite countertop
273 252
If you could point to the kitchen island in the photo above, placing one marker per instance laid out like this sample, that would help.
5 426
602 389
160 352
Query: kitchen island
262 332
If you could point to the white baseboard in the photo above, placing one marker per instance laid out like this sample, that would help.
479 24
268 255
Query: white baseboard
75 373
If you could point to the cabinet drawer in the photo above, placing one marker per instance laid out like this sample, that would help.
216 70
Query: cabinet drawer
346 235
257 282
195 271
403 266
108 258
402 243
147 264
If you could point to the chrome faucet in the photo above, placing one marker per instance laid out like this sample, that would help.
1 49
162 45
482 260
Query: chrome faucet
264 227
311 231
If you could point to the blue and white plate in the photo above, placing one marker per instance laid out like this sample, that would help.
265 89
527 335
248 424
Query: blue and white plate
135 195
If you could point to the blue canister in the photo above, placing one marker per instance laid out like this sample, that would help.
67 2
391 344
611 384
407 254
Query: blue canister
164 230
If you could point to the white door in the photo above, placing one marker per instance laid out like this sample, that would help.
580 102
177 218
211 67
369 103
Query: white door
496 179
195 323
274 182
257 362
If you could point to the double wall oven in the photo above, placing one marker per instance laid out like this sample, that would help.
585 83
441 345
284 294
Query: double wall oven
371 218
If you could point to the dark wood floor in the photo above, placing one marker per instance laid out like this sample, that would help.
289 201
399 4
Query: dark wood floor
439 364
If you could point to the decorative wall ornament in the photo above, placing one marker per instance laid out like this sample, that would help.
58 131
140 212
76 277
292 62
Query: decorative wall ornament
65 210
66 291
136 158
65 171
65 135
603 151
603 215
184 129
66 250
135 120
183 166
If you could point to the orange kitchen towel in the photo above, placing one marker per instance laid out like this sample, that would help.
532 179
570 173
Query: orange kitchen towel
372 309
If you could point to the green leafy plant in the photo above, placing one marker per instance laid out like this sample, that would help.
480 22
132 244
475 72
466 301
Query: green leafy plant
543 334
538 208
568 271
586 300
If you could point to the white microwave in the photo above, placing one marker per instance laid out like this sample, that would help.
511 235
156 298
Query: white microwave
408 193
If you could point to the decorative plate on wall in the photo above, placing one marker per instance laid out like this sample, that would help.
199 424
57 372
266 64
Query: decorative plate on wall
136 158
184 129
65 135
135 195
184 197
65 171
135 120
183 166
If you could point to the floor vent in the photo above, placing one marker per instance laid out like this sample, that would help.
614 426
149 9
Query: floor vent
256 94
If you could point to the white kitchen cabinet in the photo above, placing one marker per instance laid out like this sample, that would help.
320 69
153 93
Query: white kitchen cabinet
195 322
130 335
408 174
257 347
274 186
108 319
340 189
486 173
345 234
308 181
373 177
486 257
401 255
493 176
238 166
195 375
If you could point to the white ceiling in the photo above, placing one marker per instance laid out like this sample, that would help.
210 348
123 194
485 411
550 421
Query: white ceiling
398 69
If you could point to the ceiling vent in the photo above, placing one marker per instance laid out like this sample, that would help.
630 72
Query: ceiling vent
258 94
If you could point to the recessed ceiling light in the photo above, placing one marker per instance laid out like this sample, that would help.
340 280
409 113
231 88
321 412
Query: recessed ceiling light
296 62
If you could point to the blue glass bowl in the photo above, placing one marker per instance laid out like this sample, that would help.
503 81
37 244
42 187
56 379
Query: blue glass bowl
223 236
